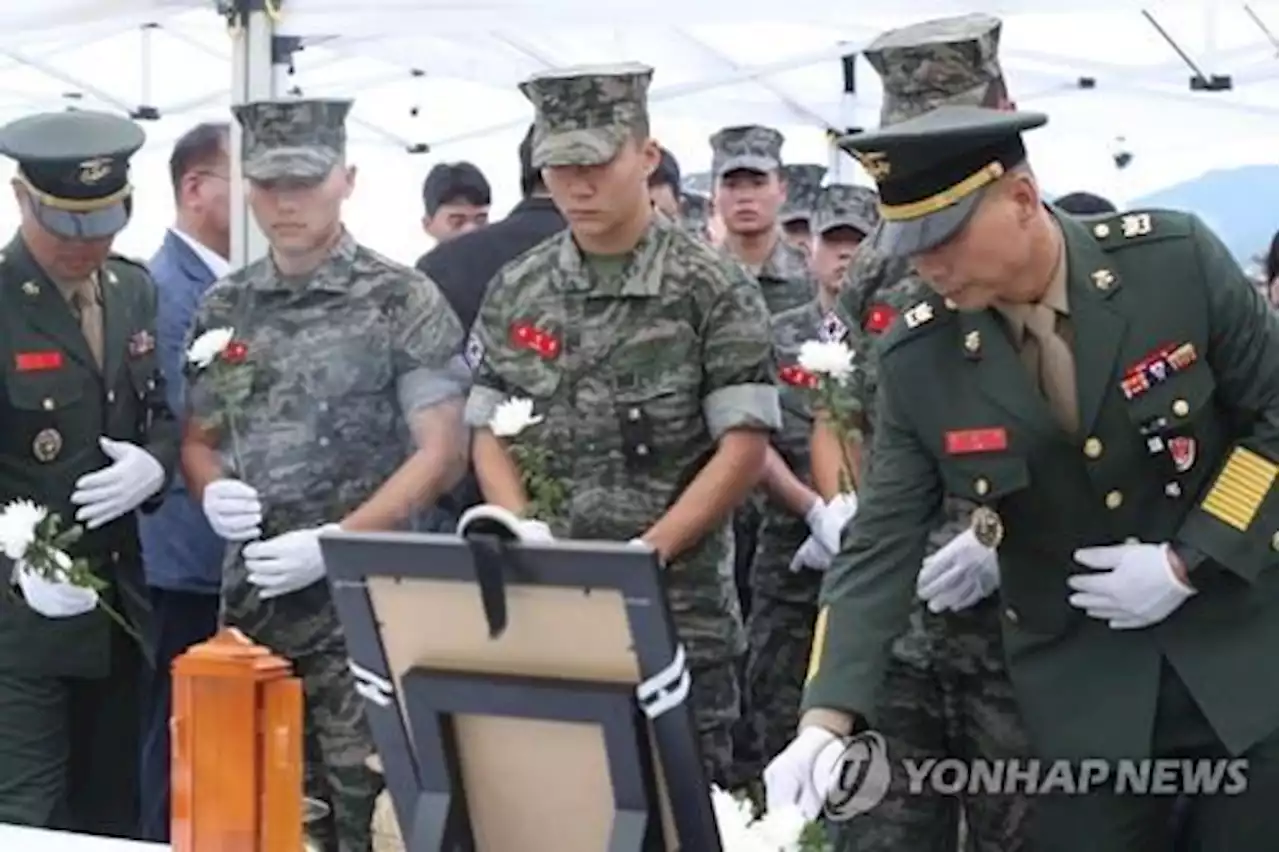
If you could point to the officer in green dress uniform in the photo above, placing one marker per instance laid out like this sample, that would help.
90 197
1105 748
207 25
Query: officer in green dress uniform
86 433
1106 391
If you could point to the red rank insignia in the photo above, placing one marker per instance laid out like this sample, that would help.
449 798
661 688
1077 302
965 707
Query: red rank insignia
525 335
797 377
965 441
879 318
31 362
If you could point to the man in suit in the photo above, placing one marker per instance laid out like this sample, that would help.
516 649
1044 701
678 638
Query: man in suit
463 266
182 556
1121 448
86 432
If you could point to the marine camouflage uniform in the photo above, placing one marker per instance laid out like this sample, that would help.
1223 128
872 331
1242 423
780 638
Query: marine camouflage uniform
804 182
637 370
784 281
339 360
946 692
784 602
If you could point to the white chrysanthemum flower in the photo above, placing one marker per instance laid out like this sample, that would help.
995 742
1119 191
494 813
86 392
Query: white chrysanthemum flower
513 416
780 829
830 359
208 346
18 524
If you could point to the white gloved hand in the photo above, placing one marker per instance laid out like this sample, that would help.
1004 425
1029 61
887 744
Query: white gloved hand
234 509
530 530
811 555
959 575
827 526
133 476
802 774
287 562
1138 588
52 599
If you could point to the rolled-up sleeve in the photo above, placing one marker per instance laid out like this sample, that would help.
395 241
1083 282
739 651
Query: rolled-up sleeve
428 359
738 360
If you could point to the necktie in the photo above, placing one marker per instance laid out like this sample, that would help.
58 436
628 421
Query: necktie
88 309
1054 366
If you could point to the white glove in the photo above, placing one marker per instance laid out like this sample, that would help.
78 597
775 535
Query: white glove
52 599
233 509
133 476
811 555
803 773
827 524
959 575
528 530
287 562
1138 588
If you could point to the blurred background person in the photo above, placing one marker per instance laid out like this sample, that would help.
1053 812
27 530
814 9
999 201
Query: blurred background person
456 197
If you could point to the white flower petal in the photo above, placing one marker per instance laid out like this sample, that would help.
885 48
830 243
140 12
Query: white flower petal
18 522
826 358
208 346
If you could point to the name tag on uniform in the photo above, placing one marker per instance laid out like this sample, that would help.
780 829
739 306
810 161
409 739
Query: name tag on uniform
965 441
31 362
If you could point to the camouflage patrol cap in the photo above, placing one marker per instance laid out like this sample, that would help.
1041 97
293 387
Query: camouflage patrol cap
585 113
804 182
746 148
695 211
843 205
298 140
935 63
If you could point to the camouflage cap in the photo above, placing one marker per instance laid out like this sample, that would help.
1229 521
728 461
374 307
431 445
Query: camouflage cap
843 205
695 211
804 182
584 114
292 139
936 63
748 147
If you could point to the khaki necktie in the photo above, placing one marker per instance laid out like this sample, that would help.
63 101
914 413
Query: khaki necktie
87 307
1052 364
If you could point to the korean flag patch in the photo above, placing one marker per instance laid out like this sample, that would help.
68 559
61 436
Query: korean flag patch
474 352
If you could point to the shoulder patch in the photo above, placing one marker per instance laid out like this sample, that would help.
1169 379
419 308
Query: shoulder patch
474 352
1116 231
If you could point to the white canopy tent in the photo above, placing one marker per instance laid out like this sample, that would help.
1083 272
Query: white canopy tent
438 78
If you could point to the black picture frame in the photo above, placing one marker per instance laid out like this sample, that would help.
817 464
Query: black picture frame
426 790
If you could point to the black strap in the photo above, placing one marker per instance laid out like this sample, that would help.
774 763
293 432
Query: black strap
490 555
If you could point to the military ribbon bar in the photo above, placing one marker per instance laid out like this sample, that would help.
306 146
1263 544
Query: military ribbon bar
966 441
31 362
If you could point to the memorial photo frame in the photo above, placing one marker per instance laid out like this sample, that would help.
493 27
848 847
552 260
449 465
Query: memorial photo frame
523 696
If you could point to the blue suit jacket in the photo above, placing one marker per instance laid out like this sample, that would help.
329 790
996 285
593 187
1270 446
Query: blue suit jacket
179 550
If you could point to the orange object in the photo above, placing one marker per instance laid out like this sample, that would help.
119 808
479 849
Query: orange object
237 749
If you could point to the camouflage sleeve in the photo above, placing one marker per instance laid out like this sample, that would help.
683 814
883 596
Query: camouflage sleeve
738 360
868 591
487 390
426 348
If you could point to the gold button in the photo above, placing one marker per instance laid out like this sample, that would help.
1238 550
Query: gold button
111 396
633 414
151 384
1173 489
981 486
642 449
115 556
1093 448
1101 230
47 404
1114 499
1181 408
1011 614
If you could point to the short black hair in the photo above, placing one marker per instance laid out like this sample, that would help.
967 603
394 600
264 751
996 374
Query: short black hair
199 146
450 182
667 173
530 178
1273 259
1084 204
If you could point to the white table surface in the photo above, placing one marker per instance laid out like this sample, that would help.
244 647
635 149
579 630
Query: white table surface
14 838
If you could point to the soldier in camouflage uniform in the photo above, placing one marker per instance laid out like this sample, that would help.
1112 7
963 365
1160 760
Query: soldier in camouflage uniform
947 693
695 213
804 182
348 357
647 356
748 194
784 589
